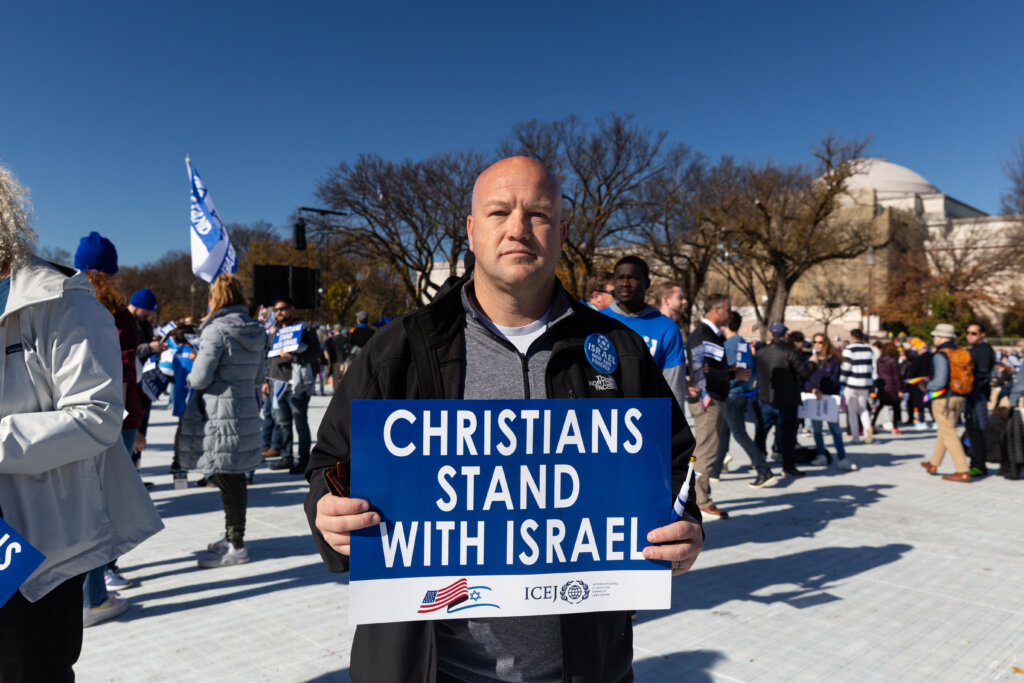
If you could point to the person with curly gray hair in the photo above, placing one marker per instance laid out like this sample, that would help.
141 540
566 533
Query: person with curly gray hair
66 482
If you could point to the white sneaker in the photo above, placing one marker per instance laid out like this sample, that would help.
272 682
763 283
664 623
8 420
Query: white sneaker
112 607
869 435
715 480
846 464
229 557
725 462
820 460
115 581
219 547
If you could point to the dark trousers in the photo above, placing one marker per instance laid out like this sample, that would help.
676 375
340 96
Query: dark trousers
234 495
293 408
736 426
783 418
897 411
918 404
41 641
976 414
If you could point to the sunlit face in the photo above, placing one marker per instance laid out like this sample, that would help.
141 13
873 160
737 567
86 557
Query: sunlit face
516 230
631 283
719 315
674 303
144 314
604 298
283 312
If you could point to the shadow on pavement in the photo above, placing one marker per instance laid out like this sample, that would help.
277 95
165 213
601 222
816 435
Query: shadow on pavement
272 490
805 513
800 580
333 677
691 667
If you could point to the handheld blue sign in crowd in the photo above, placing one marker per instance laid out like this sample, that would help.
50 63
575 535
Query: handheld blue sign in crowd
18 559
286 339
508 508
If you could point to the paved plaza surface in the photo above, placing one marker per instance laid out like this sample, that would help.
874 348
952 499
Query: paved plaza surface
883 574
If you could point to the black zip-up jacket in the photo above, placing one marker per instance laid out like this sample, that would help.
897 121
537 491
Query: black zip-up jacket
717 372
782 371
420 356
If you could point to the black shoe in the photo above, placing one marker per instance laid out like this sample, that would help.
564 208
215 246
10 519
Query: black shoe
148 484
282 464
793 472
763 481
295 469
202 482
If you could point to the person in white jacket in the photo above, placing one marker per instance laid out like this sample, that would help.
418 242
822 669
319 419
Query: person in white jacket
67 484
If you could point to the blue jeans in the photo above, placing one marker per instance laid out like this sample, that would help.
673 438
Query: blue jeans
976 420
837 438
293 408
270 434
735 424
783 418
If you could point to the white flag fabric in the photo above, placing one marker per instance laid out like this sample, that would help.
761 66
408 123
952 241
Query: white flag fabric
212 253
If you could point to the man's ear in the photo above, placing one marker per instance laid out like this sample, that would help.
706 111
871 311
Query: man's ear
469 230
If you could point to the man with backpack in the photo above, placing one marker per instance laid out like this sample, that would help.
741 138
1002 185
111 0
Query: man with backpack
357 338
952 379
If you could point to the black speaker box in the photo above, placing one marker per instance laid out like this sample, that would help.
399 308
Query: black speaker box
269 283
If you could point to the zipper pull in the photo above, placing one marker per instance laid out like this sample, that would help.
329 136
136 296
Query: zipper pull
572 394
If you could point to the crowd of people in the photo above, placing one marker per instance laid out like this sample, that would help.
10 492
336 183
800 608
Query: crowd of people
240 388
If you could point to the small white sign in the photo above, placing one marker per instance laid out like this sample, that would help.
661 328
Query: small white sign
826 408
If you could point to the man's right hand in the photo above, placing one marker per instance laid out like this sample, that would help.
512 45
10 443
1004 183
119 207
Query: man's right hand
265 388
337 516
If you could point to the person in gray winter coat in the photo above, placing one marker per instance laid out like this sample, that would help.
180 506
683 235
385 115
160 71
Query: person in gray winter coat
220 431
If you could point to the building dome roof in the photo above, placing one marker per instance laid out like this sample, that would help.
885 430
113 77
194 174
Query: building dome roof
885 176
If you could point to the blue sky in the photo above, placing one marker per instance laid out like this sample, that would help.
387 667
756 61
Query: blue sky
101 101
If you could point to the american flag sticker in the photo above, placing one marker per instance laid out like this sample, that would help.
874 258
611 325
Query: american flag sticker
449 596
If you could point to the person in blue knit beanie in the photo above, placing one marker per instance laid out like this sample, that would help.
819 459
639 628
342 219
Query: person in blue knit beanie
96 252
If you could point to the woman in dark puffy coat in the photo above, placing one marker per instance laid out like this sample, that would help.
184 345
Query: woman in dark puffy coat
890 385
220 430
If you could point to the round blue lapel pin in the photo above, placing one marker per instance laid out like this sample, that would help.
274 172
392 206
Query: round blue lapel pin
601 353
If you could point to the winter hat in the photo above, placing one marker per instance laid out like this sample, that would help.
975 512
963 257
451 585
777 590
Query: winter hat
944 330
144 299
96 252
778 329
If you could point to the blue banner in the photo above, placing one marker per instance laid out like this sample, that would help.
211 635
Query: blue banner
501 493
286 339
18 559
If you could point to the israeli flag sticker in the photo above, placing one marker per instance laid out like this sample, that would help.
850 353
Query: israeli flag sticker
601 353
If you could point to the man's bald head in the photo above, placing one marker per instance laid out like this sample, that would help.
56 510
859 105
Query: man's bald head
515 170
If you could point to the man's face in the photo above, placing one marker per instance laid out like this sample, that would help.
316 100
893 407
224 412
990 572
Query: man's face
719 315
673 304
144 314
603 298
516 230
283 312
631 284
974 334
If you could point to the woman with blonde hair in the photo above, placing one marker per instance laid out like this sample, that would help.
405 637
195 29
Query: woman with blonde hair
825 382
220 431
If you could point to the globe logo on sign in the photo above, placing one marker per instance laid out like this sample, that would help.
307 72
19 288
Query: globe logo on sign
601 353
574 592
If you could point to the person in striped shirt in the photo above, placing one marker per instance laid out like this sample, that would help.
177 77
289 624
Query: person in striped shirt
857 376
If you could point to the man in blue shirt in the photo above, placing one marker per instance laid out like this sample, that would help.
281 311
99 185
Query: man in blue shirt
631 279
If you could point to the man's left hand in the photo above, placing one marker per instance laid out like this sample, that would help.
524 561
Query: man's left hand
692 390
679 543
285 355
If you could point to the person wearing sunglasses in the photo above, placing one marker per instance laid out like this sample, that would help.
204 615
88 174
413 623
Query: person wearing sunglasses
976 402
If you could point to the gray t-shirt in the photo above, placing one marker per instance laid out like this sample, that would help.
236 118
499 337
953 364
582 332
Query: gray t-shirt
506 648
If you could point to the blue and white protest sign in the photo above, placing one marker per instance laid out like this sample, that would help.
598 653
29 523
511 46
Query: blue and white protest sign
18 559
212 253
825 408
286 339
743 355
508 508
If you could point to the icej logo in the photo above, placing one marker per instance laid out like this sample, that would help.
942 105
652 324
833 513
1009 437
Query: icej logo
455 597
574 592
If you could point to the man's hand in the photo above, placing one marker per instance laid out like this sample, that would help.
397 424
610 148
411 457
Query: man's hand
140 443
157 346
265 388
679 543
692 390
337 516
741 374
285 355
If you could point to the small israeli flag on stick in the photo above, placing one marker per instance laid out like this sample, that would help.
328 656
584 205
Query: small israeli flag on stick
212 253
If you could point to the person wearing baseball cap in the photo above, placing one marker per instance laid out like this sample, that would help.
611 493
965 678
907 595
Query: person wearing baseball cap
945 408
782 370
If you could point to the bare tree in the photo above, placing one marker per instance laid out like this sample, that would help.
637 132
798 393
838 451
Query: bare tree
601 171
668 230
831 298
407 215
784 221
1013 200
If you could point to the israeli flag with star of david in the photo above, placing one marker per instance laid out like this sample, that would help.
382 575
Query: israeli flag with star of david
212 253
